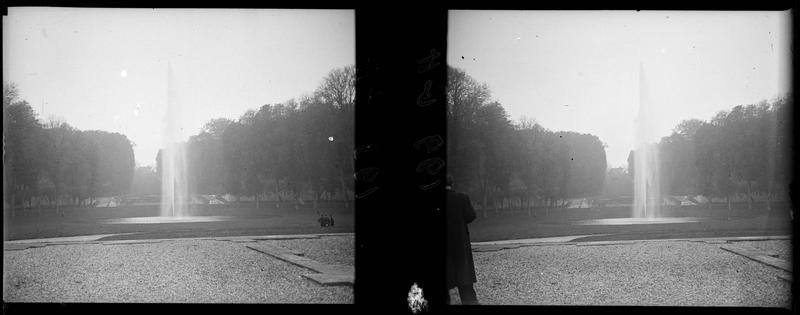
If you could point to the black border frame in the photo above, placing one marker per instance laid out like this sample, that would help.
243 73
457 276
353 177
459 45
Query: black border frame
398 236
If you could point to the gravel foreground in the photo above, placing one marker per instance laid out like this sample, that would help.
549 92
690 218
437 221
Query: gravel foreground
339 252
782 249
674 273
171 271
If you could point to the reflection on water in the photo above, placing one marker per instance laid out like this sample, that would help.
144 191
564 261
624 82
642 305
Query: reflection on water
167 219
630 221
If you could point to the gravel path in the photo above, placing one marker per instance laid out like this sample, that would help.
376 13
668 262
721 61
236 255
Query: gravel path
335 250
782 248
645 273
177 271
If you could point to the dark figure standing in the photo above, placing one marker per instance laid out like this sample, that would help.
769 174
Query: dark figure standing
460 267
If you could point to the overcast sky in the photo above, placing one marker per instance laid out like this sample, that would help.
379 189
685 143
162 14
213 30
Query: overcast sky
579 71
106 69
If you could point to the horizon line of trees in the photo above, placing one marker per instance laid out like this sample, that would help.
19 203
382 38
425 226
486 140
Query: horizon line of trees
745 151
292 151
501 164
284 151
300 149
507 165
50 163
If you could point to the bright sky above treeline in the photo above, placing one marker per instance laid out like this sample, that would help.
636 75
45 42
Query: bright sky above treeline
579 70
106 69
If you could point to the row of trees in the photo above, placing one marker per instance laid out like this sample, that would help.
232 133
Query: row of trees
742 152
52 163
298 149
745 151
303 148
281 151
502 164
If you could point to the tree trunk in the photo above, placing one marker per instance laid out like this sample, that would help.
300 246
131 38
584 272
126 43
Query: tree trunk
548 204
770 190
485 200
55 199
528 205
317 198
769 200
508 197
344 192
30 202
728 199
277 195
493 198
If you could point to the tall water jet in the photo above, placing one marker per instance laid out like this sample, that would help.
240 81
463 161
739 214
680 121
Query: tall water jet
174 191
646 190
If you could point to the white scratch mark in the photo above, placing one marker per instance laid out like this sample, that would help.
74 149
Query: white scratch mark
416 301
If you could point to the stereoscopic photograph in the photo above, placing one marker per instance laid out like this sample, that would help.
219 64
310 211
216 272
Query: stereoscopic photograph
619 158
178 155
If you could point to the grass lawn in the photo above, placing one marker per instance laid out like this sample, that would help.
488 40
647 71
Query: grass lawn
714 222
242 222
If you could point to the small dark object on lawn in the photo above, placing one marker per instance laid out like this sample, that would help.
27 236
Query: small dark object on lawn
325 220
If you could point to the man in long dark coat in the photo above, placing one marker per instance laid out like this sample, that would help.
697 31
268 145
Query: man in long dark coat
460 266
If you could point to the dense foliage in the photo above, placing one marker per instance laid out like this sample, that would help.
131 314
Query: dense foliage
286 152
52 163
298 149
502 164
742 152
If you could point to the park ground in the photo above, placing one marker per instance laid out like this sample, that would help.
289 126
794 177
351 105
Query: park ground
211 270
239 221
714 221
266 255
692 272
548 257
566 263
